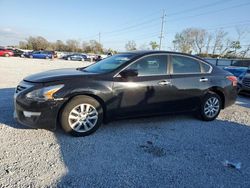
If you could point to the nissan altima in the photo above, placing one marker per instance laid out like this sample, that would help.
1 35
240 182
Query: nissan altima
132 84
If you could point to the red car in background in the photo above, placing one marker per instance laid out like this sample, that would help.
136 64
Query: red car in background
6 53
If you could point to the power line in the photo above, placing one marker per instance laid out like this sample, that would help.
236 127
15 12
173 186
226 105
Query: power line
180 12
138 26
132 26
199 7
209 12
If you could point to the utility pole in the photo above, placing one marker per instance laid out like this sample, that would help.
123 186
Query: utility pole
99 35
162 28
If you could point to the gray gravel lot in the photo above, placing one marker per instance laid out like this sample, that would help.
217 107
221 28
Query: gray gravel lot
170 151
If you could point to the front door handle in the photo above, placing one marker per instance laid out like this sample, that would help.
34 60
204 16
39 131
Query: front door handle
203 80
164 82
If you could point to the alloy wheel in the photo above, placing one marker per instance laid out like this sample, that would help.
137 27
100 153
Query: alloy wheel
83 117
212 107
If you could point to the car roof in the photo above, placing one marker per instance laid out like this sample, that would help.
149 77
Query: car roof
148 52
144 52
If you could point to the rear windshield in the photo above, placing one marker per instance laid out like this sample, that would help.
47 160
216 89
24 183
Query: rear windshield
109 64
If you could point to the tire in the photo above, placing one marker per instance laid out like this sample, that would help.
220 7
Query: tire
46 57
69 58
31 56
210 112
6 55
76 121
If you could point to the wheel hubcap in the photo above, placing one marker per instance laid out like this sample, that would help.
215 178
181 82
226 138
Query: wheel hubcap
212 107
83 117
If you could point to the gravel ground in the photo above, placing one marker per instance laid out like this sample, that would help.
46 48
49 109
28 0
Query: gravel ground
170 151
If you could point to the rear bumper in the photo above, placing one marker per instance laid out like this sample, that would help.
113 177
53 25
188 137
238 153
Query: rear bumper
230 96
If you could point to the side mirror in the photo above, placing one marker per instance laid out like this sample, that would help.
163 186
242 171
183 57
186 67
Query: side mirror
129 73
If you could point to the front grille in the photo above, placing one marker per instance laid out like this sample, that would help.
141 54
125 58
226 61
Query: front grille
20 88
246 82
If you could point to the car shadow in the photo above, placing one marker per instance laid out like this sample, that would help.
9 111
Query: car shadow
156 152
164 151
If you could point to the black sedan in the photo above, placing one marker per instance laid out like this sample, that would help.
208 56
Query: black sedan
125 85
75 57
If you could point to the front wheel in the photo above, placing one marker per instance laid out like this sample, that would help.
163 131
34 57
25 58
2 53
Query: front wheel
82 116
6 55
210 107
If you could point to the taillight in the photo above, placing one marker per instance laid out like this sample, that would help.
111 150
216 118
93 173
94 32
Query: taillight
233 79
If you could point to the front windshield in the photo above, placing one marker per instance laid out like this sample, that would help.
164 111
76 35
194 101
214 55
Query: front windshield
109 64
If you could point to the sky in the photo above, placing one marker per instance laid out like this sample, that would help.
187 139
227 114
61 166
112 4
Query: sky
118 21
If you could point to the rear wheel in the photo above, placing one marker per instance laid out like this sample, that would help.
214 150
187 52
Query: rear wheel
31 56
210 107
69 58
6 55
82 116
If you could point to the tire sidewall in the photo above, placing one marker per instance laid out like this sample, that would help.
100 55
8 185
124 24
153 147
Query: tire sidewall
202 113
75 102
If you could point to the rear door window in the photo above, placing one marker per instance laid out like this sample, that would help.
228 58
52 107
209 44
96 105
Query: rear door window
185 65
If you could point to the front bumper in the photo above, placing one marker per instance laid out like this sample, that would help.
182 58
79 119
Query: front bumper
36 114
42 116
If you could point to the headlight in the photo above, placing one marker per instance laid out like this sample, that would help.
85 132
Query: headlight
45 93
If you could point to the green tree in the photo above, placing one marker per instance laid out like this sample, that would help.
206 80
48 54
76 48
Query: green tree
154 45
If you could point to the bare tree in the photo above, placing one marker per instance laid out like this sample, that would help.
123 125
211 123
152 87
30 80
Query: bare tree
72 45
242 32
209 39
60 46
225 47
199 39
92 47
183 41
130 45
244 52
218 41
37 43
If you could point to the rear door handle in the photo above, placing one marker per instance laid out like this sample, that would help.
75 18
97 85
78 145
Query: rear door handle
203 80
164 82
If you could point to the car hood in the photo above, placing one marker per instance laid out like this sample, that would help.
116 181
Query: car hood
56 75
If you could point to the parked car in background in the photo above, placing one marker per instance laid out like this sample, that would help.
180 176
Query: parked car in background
17 52
6 53
241 69
40 54
131 84
97 58
76 57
